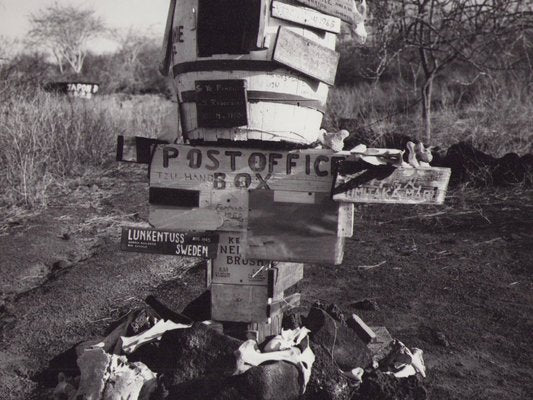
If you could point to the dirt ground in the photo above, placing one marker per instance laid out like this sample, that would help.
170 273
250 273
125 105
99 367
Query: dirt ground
454 280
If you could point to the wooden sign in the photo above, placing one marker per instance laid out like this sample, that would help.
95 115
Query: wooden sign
143 240
306 56
307 17
221 103
292 231
136 149
230 267
344 9
399 186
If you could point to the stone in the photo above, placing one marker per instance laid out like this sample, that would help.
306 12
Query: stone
380 386
366 305
347 349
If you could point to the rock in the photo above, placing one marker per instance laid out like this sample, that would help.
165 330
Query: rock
188 354
349 351
433 336
106 376
336 313
366 304
279 380
379 386
291 320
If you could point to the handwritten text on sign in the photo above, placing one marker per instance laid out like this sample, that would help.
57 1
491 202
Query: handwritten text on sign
145 240
344 9
221 103
403 186
205 168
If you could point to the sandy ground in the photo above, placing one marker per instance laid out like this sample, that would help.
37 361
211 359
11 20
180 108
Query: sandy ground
454 280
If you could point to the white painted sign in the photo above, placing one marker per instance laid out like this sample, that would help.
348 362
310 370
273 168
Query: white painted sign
344 9
304 16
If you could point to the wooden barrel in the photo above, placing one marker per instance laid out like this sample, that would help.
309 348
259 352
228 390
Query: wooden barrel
241 73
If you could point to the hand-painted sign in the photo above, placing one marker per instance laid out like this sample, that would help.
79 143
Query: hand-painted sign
304 55
230 267
221 103
144 240
307 17
218 168
398 186
344 9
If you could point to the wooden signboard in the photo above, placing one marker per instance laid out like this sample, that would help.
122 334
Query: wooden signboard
206 188
401 186
143 240
230 267
221 103
256 302
306 56
344 9
293 231
305 16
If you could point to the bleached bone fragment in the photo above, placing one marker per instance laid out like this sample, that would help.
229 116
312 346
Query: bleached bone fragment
355 374
360 15
333 140
132 343
287 339
112 377
411 155
248 356
404 362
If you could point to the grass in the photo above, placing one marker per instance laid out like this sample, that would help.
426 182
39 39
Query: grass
47 139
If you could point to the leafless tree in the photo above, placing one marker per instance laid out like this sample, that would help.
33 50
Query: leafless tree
65 31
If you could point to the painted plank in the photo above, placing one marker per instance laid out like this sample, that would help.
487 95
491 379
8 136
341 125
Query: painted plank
292 231
400 186
144 240
222 169
344 9
307 17
244 303
282 305
221 103
230 267
306 56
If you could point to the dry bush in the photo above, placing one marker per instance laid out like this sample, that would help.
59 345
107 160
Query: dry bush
49 138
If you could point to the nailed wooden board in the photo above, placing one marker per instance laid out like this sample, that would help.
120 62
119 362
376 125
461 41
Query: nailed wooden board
221 103
295 232
306 17
283 275
344 9
230 267
221 169
144 240
402 186
305 55
346 215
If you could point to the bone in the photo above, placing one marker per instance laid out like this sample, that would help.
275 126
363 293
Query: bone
132 343
287 339
411 155
333 140
360 15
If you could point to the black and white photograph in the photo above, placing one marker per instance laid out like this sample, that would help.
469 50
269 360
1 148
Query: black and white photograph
266 199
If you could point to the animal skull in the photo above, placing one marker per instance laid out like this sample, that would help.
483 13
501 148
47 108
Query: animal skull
360 15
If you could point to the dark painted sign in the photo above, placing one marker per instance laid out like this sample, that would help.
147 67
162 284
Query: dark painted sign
146 240
221 103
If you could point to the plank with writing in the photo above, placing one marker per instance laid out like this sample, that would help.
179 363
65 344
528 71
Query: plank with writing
307 17
425 185
146 240
306 56
344 9
221 103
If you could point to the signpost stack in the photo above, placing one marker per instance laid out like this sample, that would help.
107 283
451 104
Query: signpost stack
244 186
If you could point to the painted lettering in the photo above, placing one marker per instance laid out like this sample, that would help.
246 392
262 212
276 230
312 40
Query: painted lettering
168 153
211 155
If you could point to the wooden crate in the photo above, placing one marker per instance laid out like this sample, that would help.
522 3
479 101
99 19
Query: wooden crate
256 302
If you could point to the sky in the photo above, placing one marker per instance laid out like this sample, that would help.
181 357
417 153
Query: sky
141 14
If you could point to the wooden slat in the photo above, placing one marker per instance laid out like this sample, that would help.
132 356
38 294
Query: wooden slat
306 17
136 149
285 275
401 186
346 211
144 240
292 231
344 9
306 56
285 304
166 51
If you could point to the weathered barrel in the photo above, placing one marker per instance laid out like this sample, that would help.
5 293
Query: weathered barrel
244 69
